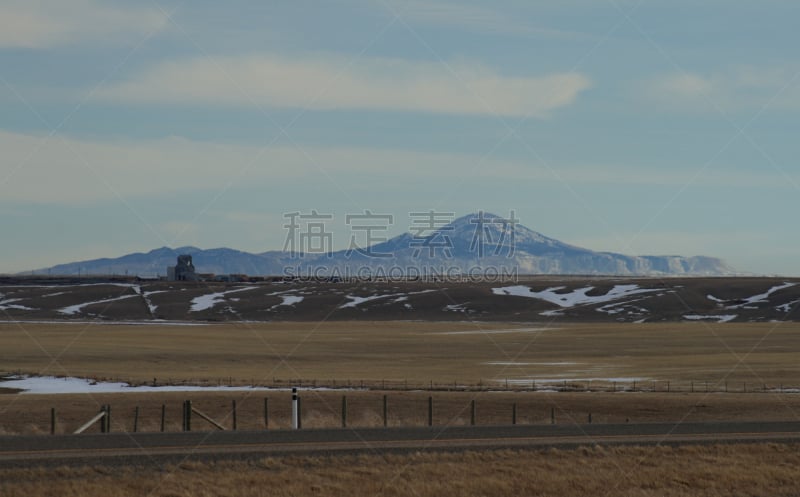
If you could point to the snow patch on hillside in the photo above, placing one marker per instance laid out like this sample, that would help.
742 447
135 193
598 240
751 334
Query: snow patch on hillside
288 300
575 297
208 301
761 298
74 309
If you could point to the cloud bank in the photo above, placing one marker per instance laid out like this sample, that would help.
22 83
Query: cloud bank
40 24
329 82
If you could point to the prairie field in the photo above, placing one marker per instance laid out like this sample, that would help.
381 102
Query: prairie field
703 356
769 470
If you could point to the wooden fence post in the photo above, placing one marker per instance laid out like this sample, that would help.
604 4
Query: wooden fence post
552 415
514 413
233 414
136 419
187 415
163 417
266 413
344 411
385 411
430 411
472 413
52 420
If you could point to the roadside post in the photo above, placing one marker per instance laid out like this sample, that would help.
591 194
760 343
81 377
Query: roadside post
295 417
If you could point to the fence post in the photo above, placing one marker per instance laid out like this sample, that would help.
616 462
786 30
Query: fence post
52 420
233 414
103 419
163 417
552 415
344 411
187 415
385 411
430 411
136 419
590 418
472 413
266 413
295 413
514 413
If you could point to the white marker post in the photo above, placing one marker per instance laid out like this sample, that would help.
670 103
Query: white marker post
294 409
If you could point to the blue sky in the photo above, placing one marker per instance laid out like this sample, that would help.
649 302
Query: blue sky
638 127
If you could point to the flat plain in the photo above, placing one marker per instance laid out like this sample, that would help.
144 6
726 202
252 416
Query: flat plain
709 355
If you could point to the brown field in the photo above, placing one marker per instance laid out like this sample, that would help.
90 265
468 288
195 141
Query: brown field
754 356
752 470
401 356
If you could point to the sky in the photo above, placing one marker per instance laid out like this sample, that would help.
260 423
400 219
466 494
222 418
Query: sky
630 126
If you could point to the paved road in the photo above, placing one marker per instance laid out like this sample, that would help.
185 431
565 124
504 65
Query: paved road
158 449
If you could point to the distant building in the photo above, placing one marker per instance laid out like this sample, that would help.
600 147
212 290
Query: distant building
183 270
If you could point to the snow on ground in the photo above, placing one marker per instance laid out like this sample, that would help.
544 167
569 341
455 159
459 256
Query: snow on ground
512 363
715 299
787 306
54 294
761 297
399 297
618 379
573 298
208 301
722 318
491 332
288 300
7 304
53 385
72 322
74 309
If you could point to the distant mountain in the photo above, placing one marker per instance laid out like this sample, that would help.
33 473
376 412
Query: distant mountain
475 244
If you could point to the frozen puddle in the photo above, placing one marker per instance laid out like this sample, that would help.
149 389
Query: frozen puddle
573 298
53 385
492 332
722 318
208 301
556 381
512 363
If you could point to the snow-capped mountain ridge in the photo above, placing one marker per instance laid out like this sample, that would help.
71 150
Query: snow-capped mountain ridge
478 240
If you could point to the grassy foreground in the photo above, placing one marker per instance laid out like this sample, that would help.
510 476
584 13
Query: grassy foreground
753 470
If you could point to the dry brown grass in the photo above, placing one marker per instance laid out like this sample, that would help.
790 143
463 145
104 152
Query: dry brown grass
752 470
419 352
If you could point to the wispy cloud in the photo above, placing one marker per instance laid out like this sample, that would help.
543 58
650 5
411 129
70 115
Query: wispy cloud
80 172
734 89
329 81
40 24
473 18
